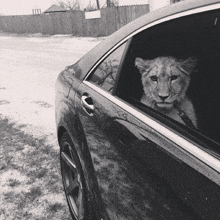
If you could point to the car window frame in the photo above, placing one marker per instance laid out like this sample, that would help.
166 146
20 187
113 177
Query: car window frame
191 141
208 144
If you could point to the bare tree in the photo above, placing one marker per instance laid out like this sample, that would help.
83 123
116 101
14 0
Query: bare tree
104 4
110 3
70 4
92 7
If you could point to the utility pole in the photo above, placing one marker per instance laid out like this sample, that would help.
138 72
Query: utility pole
97 2
108 3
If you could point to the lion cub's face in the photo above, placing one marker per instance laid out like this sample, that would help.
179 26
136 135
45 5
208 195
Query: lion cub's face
165 80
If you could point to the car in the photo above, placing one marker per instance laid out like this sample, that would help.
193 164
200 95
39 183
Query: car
138 119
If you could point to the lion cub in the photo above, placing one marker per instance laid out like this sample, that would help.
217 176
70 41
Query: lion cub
165 82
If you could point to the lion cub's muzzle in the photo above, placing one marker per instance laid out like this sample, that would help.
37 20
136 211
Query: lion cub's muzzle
163 102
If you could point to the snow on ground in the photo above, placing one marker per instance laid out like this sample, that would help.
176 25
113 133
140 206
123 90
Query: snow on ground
29 67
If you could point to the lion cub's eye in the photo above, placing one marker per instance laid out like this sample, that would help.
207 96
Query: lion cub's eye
174 77
153 78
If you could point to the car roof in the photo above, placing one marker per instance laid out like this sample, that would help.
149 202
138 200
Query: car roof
87 62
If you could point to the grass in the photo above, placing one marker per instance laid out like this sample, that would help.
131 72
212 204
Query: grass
31 185
14 182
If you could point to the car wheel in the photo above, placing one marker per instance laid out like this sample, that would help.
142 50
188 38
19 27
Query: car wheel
73 179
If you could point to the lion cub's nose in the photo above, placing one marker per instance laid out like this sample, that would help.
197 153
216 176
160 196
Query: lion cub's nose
163 97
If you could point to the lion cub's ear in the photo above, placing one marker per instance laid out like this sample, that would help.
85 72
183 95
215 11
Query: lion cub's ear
188 66
142 65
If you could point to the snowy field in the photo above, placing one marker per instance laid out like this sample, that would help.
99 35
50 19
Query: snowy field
29 68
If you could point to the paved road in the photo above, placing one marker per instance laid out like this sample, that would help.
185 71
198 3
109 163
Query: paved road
28 70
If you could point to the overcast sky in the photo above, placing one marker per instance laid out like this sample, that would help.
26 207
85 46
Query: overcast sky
23 7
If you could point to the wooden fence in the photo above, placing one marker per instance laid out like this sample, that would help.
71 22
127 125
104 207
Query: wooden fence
73 22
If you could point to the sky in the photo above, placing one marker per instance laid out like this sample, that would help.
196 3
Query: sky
24 7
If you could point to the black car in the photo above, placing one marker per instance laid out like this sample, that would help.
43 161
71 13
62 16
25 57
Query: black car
138 119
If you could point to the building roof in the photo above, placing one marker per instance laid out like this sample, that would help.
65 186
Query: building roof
55 8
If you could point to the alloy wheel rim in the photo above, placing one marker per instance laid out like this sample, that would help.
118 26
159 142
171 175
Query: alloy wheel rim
72 182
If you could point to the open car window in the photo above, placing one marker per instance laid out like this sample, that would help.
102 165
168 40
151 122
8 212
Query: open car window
172 73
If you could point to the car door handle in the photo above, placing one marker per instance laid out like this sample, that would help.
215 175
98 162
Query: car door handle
87 104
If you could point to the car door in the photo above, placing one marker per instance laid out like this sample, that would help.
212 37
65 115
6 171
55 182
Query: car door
147 166
126 151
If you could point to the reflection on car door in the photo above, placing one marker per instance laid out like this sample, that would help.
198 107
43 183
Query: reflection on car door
122 147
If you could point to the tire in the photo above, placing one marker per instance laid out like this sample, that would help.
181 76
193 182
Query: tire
73 179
